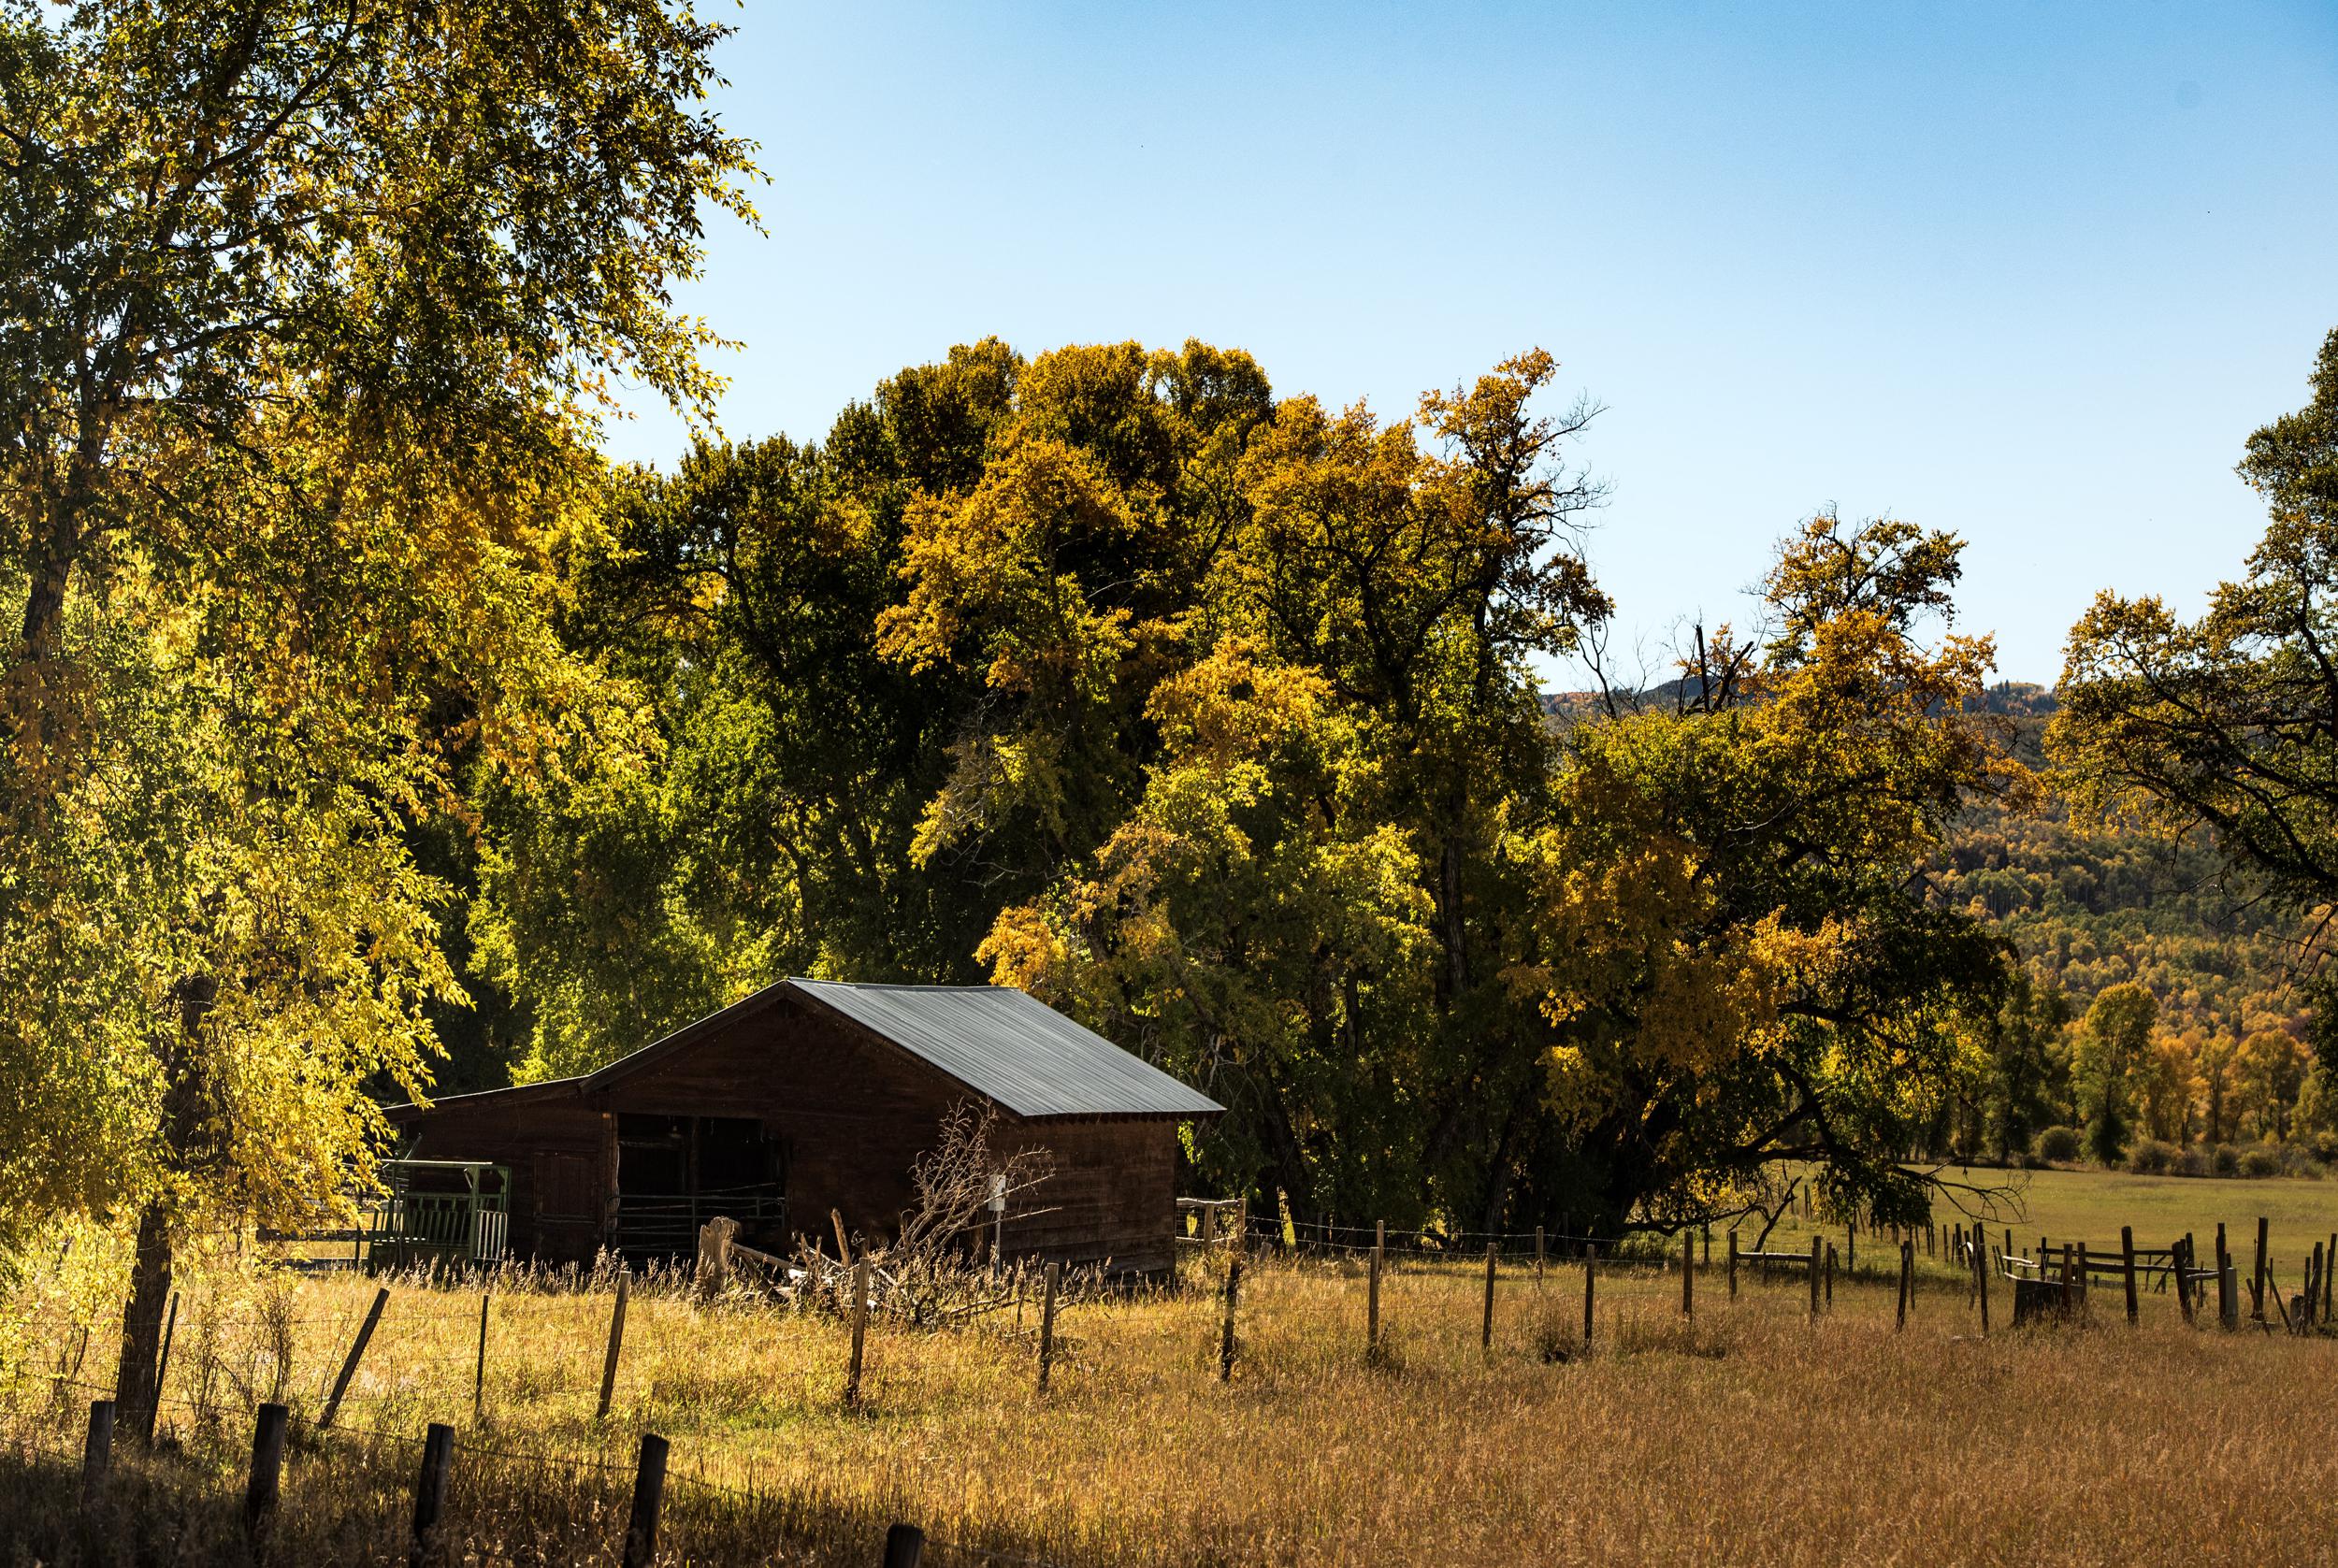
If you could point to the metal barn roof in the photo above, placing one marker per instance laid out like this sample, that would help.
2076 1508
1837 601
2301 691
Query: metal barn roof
1012 1048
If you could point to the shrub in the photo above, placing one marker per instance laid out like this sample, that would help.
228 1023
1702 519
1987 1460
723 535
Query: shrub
2058 1145
2224 1160
2326 1147
2263 1159
2190 1162
2151 1156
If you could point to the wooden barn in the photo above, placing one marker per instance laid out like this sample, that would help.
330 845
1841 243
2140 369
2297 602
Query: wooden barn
811 1095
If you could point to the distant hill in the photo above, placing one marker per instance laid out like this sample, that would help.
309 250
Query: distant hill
2087 907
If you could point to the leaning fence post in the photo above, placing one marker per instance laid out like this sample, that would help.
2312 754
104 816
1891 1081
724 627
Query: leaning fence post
479 1374
1591 1258
1688 1273
904 1544
649 1493
1907 1276
268 1465
1981 1291
144 1419
1830 1276
437 1446
1372 1290
859 1329
97 1449
1046 1324
1733 1263
1816 1264
357 1354
2127 1253
2180 1262
616 1344
1485 1333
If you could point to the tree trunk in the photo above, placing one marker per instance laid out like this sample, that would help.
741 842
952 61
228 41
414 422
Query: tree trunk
135 1393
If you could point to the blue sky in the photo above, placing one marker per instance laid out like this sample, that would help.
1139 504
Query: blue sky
2029 273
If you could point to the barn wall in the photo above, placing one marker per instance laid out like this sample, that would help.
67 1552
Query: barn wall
1113 1195
561 1170
855 1112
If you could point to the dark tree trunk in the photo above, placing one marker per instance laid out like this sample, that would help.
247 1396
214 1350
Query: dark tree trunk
136 1395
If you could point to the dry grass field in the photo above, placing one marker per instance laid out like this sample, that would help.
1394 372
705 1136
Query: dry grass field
1750 1435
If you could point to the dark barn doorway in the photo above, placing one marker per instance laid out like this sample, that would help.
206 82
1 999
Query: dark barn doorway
674 1173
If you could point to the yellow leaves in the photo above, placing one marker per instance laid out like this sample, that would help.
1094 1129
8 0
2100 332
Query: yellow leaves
1231 705
989 569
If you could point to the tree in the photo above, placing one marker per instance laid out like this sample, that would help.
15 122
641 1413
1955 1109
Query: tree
2268 1072
1732 957
2028 1025
2162 1084
2113 1040
305 311
2224 724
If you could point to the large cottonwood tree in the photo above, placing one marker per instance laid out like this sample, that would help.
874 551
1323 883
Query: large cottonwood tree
304 308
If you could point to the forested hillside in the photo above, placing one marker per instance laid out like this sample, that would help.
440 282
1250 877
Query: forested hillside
2091 908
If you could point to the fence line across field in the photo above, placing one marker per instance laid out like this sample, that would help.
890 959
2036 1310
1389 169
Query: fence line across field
902 1547
2042 1285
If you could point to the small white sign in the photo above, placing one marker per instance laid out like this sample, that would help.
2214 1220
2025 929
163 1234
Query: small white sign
998 1193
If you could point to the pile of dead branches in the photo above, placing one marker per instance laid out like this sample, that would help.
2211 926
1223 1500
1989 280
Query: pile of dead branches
937 1269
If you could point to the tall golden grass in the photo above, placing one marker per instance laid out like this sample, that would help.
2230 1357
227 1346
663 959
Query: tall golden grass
1750 1436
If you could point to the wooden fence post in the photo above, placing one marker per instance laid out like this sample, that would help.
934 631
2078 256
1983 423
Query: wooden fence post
1485 1333
1907 1278
1591 1259
1372 1291
2180 1265
904 1544
97 1449
1816 1264
1981 1291
268 1466
2329 1260
2127 1251
2226 1311
649 1494
144 1419
479 1374
1830 1276
2257 1279
616 1344
1688 1273
1225 1337
1046 1323
1850 1247
438 1447
1537 1257
357 1354
1732 1263
859 1332
2069 1299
